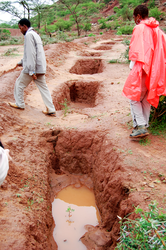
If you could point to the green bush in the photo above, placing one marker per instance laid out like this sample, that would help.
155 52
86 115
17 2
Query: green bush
125 30
146 232
87 26
155 13
103 25
51 28
126 13
90 35
63 25
110 18
5 25
158 117
151 4
113 25
4 34
63 13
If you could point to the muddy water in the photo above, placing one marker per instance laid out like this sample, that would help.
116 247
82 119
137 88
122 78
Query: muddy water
73 208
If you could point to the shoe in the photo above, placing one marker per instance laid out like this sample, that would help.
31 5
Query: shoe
13 105
47 113
135 128
141 131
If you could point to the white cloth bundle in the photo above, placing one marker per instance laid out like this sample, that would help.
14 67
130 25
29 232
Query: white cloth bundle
4 164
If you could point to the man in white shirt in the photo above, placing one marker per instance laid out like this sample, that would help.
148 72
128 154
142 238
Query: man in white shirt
34 68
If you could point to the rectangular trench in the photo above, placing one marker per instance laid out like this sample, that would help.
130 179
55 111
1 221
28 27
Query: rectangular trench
89 156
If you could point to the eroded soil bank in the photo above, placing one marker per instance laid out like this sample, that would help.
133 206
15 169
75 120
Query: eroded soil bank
87 143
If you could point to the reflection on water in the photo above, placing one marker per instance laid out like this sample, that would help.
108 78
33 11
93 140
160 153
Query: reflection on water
72 210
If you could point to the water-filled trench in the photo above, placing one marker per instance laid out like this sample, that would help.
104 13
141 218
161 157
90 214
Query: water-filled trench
86 158
73 208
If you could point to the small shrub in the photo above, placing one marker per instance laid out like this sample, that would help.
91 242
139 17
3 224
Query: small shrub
63 25
48 40
112 17
151 4
158 118
113 61
4 34
113 25
90 35
103 25
125 30
155 13
146 232
10 51
87 26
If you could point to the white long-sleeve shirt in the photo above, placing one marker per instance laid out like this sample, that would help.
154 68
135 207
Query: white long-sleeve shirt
4 165
34 57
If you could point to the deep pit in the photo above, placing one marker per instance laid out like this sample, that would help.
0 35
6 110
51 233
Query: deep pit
104 47
87 66
76 94
87 53
87 158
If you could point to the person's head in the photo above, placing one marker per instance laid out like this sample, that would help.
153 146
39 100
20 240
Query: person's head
140 12
24 24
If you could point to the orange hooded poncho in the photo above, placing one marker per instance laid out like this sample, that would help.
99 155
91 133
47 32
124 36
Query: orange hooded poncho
148 49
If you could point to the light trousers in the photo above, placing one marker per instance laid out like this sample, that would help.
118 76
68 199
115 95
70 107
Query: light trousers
23 81
140 110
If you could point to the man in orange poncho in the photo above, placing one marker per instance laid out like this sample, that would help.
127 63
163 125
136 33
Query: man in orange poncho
147 78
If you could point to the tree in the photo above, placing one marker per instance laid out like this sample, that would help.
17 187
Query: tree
72 6
30 7
80 10
9 8
26 7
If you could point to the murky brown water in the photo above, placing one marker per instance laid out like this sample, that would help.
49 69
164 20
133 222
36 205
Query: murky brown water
73 208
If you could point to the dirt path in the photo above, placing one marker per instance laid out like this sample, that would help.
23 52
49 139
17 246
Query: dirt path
97 119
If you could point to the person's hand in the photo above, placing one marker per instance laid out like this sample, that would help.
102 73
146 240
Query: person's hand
34 77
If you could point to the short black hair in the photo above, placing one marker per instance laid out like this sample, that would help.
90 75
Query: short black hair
142 10
24 21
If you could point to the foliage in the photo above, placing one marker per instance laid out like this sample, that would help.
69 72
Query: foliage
113 61
106 2
113 25
87 26
146 232
8 7
126 42
158 117
155 13
90 35
12 40
151 4
102 21
10 51
144 141
80 11
65 106
112 17
4 34
63 25
5 25
131 3
126 30
126 13
159 113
